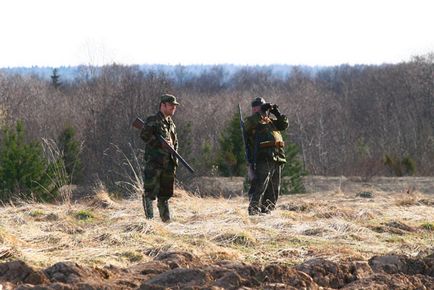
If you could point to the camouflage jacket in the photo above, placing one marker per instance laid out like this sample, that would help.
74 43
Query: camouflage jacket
264 137
155 153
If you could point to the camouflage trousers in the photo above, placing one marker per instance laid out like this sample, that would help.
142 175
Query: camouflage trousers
265 187
158 184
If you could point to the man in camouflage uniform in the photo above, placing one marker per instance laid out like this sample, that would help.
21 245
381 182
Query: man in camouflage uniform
160 164
267 155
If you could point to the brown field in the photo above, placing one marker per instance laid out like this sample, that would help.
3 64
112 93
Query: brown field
336 225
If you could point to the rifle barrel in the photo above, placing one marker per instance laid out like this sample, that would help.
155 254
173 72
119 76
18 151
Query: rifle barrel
244 136
176 154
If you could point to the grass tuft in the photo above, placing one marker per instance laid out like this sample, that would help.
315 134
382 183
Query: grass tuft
428 226
37 213
242 238
132 256
84 215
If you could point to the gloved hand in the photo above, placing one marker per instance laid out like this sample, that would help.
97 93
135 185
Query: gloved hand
265 107
275 110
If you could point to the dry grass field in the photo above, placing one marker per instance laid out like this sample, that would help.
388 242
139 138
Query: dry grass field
335 225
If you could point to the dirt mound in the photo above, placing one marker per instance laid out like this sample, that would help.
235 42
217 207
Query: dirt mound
182 270
394 227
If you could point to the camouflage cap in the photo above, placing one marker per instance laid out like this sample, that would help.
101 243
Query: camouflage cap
258 102
167 98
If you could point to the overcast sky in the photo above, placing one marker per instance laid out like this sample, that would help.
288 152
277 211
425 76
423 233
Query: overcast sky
309 32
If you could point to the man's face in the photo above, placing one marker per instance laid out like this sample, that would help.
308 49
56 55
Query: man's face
168 109
256 109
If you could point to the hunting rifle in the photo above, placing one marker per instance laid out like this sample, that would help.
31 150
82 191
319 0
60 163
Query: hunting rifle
138 124
250 162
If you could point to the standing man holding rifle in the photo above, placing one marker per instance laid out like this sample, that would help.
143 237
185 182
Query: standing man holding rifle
161 157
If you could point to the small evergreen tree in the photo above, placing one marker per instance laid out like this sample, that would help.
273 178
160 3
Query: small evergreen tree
205 163
70 151
293 171
231 160
398 167
185 139
55 79
409 165
23 167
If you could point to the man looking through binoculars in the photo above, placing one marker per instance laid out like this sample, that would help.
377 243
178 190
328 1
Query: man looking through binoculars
266 155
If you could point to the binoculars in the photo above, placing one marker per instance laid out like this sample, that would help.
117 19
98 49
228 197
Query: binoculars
268 107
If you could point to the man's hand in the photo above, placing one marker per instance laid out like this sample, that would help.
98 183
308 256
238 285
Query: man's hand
168 144
265 107
275 110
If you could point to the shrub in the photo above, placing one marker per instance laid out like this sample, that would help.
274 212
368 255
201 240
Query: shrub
70 150
231 159
293 171
37 213
24 170
409 165
132 256
428 226
405 166
84 215
204 164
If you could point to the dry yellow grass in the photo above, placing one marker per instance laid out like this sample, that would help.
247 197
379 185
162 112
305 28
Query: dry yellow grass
335 225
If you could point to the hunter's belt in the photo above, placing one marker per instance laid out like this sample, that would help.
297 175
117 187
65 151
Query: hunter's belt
268 144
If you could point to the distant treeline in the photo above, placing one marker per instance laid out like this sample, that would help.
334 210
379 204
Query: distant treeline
346 120
71 73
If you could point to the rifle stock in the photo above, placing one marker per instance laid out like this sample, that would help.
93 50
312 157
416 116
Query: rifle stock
139 124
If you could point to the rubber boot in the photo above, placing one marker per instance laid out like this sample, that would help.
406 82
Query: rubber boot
163 208
254 208
267 207
148 207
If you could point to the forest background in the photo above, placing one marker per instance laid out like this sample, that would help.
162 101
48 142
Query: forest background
361 120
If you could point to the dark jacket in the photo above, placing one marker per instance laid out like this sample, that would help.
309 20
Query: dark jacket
155 153
264 137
